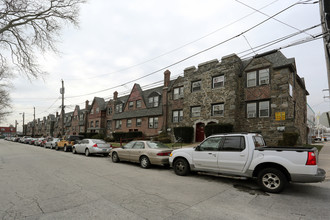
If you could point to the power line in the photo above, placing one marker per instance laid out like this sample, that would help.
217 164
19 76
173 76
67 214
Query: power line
178 48
193 55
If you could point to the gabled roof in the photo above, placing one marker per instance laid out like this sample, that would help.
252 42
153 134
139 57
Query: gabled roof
100 102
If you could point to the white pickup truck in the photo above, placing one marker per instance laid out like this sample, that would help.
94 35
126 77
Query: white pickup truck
246 155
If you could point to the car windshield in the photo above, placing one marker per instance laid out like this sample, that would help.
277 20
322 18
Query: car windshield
156 145
97 141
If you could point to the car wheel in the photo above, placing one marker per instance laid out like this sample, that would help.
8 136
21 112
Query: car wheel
115 157
65 149
181 167
272 180
87 153
145 162
74 150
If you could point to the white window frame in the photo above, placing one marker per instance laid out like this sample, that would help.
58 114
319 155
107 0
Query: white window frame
251 110
290 90
220 107
218 81
154 101
195 88
97 124
138 124
178 93
264 105
177 116
138 103
251 78
118 124
195 111
129 123
264 76
130 104
153 122
119 108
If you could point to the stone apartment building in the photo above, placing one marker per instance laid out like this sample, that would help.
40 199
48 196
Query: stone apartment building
261 94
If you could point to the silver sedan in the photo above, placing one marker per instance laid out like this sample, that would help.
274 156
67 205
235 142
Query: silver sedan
92 146
143 152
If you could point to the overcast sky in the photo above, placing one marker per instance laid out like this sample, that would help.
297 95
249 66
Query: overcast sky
120 41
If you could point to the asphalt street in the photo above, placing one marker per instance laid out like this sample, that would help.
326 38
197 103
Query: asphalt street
38 183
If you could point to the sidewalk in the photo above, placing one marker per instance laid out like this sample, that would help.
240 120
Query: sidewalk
324 158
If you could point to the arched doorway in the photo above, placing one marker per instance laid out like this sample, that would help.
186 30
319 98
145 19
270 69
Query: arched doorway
200 132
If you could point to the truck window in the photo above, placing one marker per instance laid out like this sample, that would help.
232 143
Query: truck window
236 143
259 141
211 144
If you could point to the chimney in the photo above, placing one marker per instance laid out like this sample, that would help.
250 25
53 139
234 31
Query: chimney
167 75
86 105
115 95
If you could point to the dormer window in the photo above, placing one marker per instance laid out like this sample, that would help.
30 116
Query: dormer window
119 108
154 101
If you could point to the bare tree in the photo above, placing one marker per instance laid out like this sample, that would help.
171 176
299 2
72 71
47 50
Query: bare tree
27 26
4 95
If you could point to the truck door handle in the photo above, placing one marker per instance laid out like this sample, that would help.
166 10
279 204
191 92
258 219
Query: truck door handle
242 155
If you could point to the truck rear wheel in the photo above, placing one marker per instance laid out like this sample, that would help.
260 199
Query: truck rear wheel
272 180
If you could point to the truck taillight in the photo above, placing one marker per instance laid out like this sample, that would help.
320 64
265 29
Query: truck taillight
95 145
311 159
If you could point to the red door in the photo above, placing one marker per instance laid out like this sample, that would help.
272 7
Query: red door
200 132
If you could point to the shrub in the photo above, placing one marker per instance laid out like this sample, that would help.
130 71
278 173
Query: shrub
164 137
185 134
218 129
109 139
98 136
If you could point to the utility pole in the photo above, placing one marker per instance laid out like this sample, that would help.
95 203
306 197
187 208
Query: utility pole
16 126
325 21
23 124
62 110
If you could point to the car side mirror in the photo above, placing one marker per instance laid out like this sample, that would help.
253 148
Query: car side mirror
197 148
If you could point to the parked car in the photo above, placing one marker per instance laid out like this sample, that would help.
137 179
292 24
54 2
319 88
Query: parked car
92 146
143 152
31 141
38 141
67 142
27 140
245 154
51 143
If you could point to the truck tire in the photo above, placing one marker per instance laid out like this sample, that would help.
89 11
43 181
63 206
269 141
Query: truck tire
181 167
272 180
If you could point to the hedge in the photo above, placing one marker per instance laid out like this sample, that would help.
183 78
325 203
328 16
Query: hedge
185 134
127 136
211 129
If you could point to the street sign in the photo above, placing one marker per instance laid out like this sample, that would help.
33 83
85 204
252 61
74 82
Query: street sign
279 116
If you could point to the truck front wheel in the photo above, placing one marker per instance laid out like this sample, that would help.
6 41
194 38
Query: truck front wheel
272 180
181 167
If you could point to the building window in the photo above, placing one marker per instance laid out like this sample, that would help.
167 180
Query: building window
195 111
109 110
177 116
218 109
251 79
259 77
196 86
119 108
92 124
218 81
130 105
290 90
97 110
109 127
92 111
138 122
118 124
263 109
97 124
129 123
138 103
154 101
178 93
153 122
